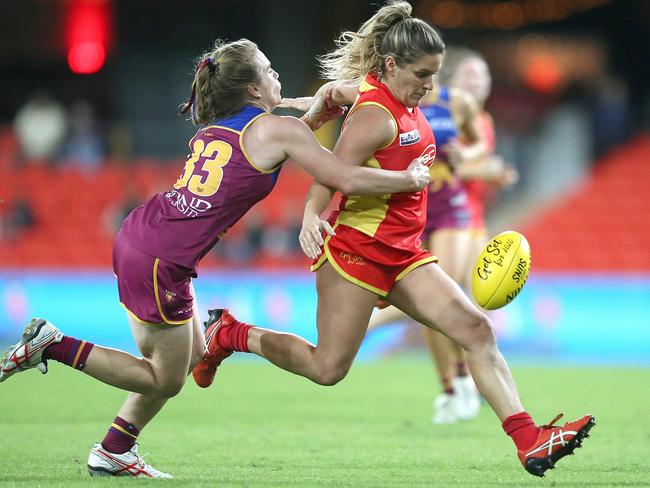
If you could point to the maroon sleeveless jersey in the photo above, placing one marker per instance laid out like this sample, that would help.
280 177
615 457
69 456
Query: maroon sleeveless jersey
219 184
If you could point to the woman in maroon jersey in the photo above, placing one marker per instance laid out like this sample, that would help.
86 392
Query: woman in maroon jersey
233 163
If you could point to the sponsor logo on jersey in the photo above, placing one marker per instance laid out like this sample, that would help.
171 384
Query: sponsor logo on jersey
408 138
458 199
429 154
194 207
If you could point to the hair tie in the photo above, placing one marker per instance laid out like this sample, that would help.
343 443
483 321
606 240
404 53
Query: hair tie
204 62
212 65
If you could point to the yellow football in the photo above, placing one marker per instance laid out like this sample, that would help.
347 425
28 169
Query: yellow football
501 270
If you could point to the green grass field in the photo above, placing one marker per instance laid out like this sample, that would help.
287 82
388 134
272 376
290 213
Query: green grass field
258 426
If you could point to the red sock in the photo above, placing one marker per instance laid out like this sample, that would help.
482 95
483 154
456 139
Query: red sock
234 337
70 351
120 437
521 428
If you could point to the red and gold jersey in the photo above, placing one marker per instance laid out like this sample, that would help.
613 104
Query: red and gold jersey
395 219
476 189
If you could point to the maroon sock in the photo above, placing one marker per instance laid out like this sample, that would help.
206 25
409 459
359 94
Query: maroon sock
120 437
448 386
521 428
461 369
234 337
70 351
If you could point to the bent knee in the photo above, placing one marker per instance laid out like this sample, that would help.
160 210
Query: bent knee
329 376
483 334
170 388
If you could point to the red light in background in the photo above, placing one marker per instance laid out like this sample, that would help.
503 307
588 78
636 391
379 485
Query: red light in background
88 34
86 58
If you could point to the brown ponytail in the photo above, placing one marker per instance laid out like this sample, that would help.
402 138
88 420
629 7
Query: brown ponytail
221 79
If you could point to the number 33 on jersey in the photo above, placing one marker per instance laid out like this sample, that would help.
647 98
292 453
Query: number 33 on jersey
217 186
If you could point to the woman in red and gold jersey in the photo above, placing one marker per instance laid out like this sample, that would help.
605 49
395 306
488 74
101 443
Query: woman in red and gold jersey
453 117
458 234
372 248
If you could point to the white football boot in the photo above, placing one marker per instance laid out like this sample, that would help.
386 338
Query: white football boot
28 353
467 402
104 463
444 409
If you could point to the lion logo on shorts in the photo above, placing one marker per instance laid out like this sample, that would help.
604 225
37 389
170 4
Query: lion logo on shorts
170 295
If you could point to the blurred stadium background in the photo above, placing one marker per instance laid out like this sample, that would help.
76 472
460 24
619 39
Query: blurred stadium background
88 129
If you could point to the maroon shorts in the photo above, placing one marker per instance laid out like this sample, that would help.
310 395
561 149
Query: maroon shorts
452 212
154 291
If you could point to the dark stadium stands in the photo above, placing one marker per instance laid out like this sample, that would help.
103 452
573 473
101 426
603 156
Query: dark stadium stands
602 225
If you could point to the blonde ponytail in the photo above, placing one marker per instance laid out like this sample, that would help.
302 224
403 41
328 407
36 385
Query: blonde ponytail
390 32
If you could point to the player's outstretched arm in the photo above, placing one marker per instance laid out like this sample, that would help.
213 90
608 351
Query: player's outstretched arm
321 112
474 147
294 139
337 93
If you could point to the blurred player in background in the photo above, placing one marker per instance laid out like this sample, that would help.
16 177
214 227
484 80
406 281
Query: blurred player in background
374 248
467 70
234 162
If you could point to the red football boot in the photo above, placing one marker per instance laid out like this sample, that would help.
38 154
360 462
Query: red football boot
204 372
553 443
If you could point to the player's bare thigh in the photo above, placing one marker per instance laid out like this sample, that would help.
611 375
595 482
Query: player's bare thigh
344 310
428 295
148 337
167 348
